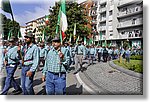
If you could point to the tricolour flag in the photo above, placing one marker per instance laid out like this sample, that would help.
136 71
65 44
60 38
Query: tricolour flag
46 19
63 20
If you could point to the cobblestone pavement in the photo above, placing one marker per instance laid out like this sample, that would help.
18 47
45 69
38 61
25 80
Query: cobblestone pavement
112 81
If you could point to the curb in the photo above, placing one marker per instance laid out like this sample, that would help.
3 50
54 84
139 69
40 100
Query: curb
126 71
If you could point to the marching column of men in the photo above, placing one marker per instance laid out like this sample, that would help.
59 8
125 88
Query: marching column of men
56 60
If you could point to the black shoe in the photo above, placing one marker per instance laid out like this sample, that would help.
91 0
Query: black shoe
16 92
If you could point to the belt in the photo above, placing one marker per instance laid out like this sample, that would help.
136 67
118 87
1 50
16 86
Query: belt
12 64
28 60
57 73
26 65
80 54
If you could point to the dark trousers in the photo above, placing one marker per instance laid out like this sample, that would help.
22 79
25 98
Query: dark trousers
99 56
10 80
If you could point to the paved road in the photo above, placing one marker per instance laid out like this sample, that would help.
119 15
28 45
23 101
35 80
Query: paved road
99 78
73 86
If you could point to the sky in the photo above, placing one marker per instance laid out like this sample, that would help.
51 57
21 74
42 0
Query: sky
27 10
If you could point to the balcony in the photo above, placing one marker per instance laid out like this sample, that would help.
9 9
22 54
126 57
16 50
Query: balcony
131 11
130 23
102 28
103 19
131 34
101 10
122 3
102 1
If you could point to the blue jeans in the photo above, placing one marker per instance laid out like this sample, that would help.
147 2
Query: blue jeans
27 82
10 80
55 84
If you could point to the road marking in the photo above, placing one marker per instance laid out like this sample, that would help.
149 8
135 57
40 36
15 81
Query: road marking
84 85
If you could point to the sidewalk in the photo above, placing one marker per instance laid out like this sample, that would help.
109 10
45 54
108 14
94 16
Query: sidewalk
109 81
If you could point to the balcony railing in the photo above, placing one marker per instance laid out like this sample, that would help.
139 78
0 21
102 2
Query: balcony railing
125 2
131 11
102 1
131 23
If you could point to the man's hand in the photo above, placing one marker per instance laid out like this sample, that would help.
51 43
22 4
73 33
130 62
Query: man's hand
19 48
29 73
43 78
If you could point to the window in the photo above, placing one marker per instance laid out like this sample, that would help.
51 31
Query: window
110 13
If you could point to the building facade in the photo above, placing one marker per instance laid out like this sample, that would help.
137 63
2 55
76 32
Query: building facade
115 21
36 26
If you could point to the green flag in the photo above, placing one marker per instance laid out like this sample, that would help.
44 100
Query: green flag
43 36
84 40
19 34
5 5
77 40
100 35
70 38
9 34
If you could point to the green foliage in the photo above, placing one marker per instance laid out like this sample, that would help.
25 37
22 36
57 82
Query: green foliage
74 13
7 25
125 44
134 65
136 57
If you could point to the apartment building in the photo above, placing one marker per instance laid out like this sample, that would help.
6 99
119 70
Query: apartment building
37 27
118 21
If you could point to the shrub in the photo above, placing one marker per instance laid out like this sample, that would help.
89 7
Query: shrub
136 57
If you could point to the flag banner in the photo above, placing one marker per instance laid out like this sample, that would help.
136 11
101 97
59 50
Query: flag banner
19 34
77 40
63 20
9 34
5 5
84 40
74 31
46 19
43 36
70 38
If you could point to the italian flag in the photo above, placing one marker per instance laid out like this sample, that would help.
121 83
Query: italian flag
46 19
63 20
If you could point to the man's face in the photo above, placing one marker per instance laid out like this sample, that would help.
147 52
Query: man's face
27 39
11 43
56 45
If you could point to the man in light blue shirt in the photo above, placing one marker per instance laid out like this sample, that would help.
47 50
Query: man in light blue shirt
56 65
30 64
11 63
80 54
92 54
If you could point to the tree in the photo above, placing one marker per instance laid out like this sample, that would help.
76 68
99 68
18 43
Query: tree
7 25
74 14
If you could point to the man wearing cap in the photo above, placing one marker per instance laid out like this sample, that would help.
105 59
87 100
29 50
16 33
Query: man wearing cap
80 54
55 68
43 53
30 64
11 62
